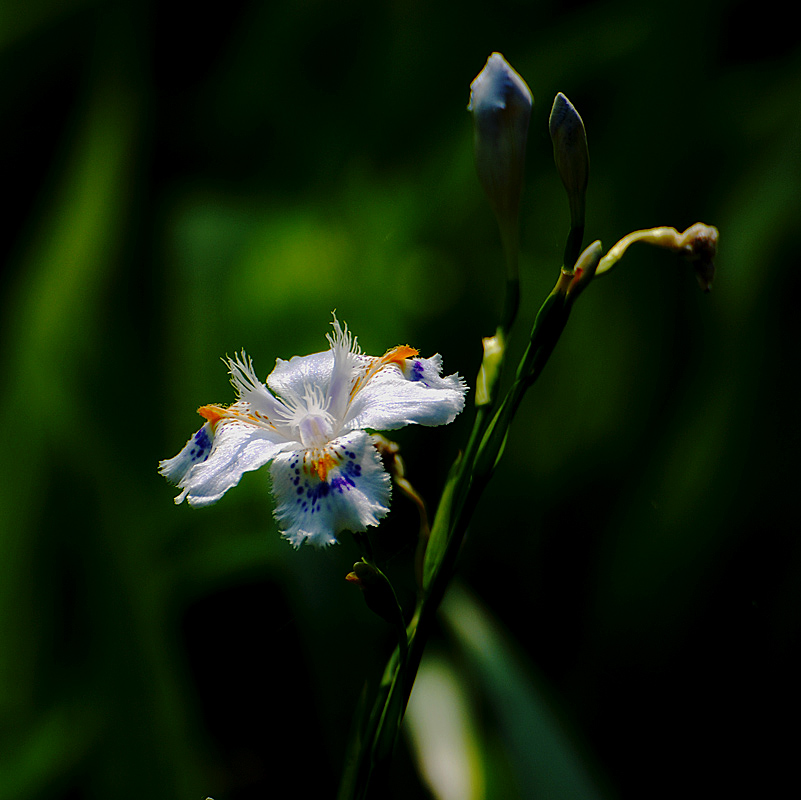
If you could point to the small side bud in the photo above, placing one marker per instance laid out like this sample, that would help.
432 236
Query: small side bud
490 370
377 591
572 159
501 104
573 282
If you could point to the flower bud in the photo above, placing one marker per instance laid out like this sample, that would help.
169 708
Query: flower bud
570 153
573 282
501 105
698 244
377 591
572 160
490 370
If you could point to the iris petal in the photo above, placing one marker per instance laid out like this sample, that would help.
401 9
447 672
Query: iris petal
354 494
195 451
238 448
416 394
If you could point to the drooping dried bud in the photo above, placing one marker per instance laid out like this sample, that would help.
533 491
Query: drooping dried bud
698 244
699 247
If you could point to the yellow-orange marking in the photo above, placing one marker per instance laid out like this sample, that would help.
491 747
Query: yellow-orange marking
325 463
212 413
397 355
319 464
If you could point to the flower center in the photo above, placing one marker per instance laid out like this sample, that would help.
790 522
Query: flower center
315 429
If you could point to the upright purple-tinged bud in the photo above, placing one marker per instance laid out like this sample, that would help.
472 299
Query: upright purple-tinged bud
572 160
501 105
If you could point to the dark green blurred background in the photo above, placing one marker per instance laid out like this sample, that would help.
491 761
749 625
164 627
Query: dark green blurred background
185 181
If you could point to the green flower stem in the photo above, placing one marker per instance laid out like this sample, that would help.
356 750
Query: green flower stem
469 478
488 435
370 756
573 244
361 756
476 471
380 596
548 326
510 239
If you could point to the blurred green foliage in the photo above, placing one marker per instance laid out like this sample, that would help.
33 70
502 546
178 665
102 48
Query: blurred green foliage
184 183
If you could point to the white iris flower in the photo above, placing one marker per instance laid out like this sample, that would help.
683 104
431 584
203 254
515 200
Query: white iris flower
312 422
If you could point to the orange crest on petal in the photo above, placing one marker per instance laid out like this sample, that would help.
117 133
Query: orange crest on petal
397 355
212 413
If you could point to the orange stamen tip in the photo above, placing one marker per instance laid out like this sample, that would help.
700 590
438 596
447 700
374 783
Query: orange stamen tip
211 413
397 355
